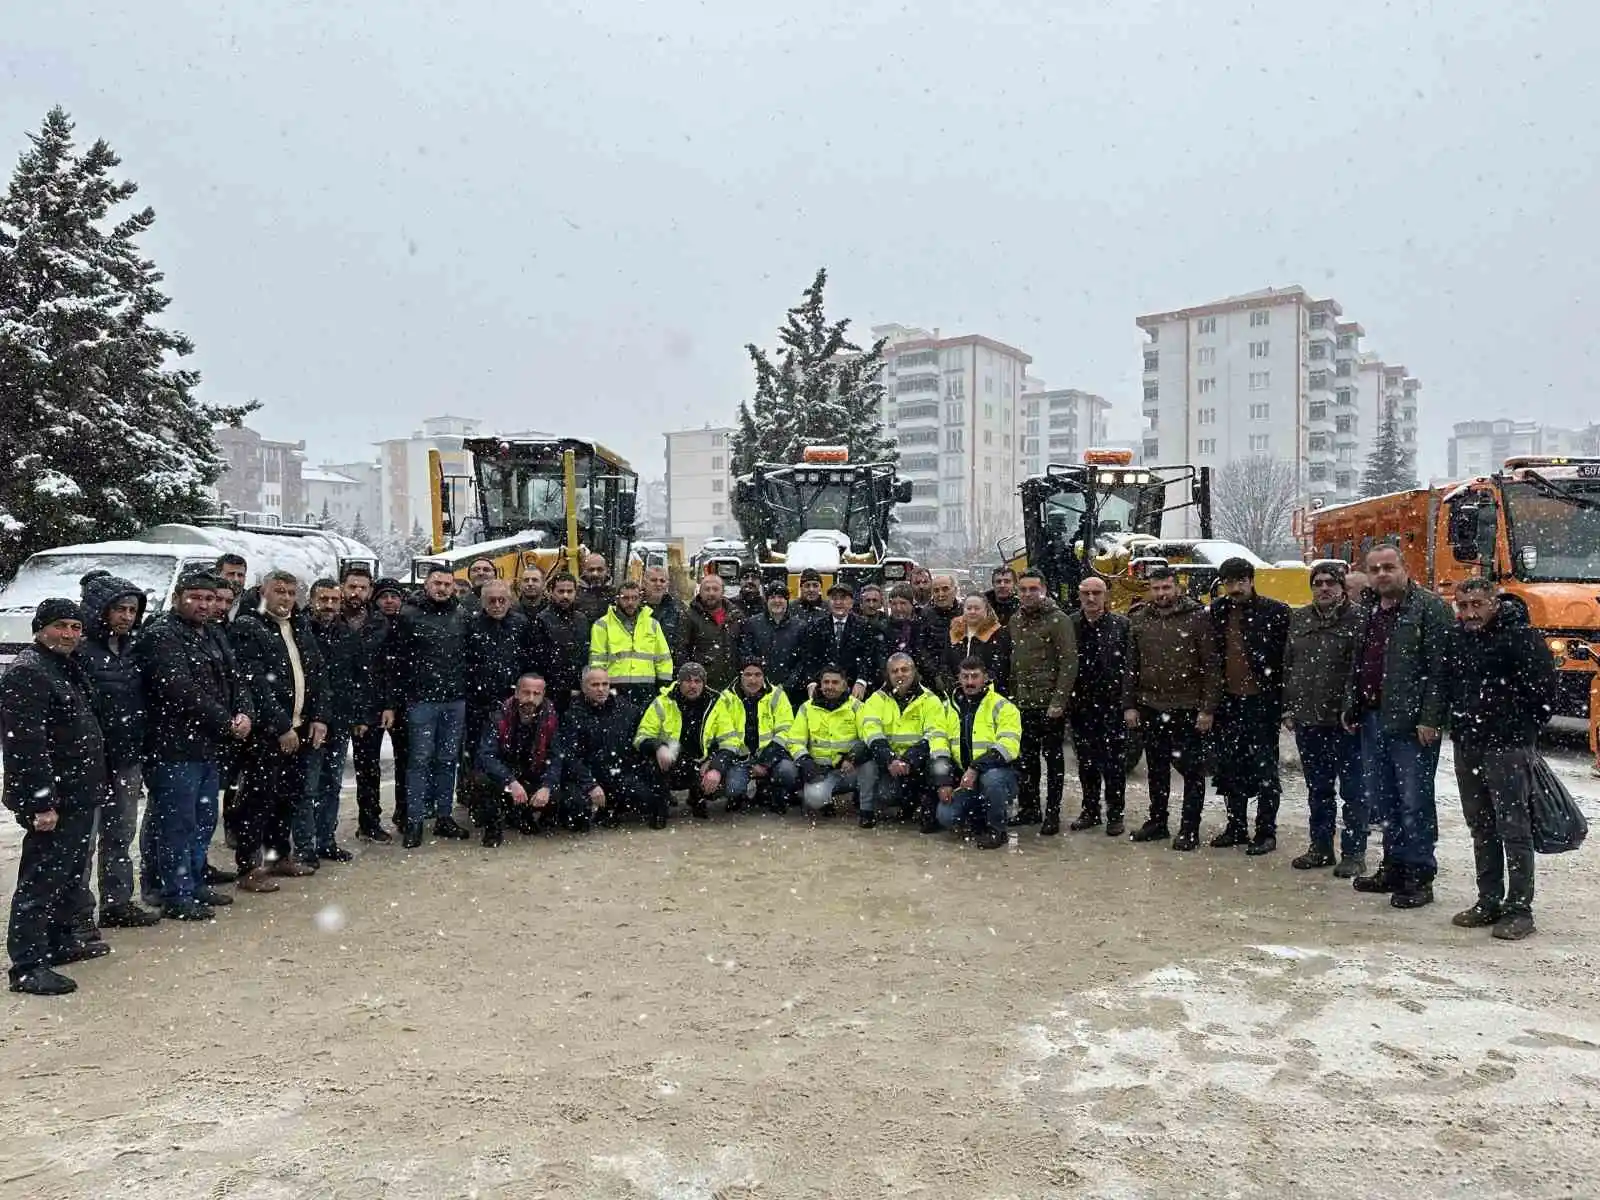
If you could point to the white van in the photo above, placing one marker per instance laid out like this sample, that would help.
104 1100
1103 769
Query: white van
158 556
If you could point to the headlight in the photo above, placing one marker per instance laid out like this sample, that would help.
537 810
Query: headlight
1557 645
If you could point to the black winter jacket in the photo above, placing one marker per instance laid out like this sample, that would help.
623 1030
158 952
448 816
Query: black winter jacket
346 676
263 658
54 757
429 653
856 652
528 753
1500 683
377 662
494 659
778 644
597 745
715 647
556 645
114 671
1264 622
193 689
1102 664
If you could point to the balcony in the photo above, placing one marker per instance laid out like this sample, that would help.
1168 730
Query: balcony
920 383
917 517
917 412
1322 424
1344 437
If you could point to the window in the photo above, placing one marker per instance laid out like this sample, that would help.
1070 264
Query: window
1317 380
1205 356
1205 416
1258 441
1206 325
1408 414
954 412
1260 349
1346 454
717 485
988 464
1317 472
1319 320
1208 445
1152 360
1152 449
1258 412
719 439
1317 441
1342 481
1317 410
1319 351
719 509
1063 441
988 384
919 462
988 437
1259 317
1205 385
1343 367
1344 425
1260 381
1347 341
1345 395
1005 417
954 439
1006 441
716 462
1152 391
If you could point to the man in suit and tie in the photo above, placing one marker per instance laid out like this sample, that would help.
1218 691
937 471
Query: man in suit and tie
842 638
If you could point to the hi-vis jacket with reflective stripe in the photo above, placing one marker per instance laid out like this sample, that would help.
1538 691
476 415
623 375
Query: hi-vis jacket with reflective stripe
725 724
885 723
995 735
639 657
823 734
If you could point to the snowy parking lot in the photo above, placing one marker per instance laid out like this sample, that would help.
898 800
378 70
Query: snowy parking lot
758 1007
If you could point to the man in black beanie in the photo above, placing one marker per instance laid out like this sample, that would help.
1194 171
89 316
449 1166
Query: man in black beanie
55 779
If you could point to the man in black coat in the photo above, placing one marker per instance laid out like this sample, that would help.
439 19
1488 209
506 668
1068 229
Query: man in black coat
428 681
112 610
1099 733
493 644
775 636
1500 684
55 779
600 769
905 633
663 605
597 595
1250 633
519 752
1002 594
843 640
363 616
555 644
197 706
350 709
283 668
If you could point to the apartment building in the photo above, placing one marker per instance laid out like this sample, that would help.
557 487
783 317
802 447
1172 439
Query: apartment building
699 486
262 476
345 493
1059 424
405 491
1275 373
954 405
1479 447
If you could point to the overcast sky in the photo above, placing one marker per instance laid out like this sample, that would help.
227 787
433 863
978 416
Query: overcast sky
571 217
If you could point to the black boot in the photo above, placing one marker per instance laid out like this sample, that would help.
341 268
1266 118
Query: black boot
42 981
1026 816
1412 890
1114 825
1153 830
1232 835
1319 854
446 827
1051 825
1480 916
413 837
868 820
1084 820
1188 838
1262 843
1384 879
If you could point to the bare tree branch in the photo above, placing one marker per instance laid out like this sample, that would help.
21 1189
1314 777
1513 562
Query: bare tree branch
1252 502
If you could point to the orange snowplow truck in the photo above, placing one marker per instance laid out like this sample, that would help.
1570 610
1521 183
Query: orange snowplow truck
1533 527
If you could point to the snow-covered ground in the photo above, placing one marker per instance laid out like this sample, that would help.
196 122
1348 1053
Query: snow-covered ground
764 1008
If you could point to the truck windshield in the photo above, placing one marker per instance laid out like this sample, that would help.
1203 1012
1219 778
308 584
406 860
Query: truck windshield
1554 530
1116 512
520 494
47 575
834 503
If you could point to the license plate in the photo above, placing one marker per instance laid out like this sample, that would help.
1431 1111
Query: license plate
1589 471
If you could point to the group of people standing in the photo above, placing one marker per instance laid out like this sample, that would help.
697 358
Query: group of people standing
571 702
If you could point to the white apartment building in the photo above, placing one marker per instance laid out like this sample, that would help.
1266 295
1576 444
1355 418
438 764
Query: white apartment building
405 493
954 405
1479 447
1059 424
699 491
348 492
1273 373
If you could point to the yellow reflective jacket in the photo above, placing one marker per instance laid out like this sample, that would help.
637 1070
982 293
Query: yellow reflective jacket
726 722
996 731
662 723
825 735
892 730
641 656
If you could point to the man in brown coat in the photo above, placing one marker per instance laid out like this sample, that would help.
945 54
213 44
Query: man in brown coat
1044 665
1171 696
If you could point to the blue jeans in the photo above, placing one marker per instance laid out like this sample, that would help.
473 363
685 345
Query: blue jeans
183 797
987 805
1329 756
1397 776
785 778
819 793
434 728
316 818
878 789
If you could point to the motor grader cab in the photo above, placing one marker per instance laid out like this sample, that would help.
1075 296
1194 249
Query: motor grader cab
545 502
825 514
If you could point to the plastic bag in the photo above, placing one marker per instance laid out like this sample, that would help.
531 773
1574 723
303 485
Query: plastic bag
1558 822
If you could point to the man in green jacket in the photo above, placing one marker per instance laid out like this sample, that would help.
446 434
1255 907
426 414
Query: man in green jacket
1396 701
1044 666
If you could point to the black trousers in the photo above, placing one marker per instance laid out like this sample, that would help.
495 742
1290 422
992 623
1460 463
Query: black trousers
1100 744
272 786
368 750
1044 735
632 792
47 877
230 766
1247 761
1171 740
1495 800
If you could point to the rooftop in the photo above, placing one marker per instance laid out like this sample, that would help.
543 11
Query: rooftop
1264 298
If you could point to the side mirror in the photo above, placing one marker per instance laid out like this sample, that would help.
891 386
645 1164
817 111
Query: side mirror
627 513
903 491
1463 531
743 491
445 507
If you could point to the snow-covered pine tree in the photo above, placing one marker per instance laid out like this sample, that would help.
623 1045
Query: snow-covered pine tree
1389 467
819 389
100 431
358 530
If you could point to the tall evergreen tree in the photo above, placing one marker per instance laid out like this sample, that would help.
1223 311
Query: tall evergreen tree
1389 467
100 431
358 530
820 388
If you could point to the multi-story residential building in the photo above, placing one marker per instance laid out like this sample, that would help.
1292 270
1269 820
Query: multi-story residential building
347 494
405 493
954 405
263 476
1479 447
1273 373
1059 424
699 491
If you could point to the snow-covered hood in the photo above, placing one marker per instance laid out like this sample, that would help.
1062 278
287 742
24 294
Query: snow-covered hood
817 549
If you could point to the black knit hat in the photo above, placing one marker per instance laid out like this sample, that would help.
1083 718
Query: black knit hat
811 575
57 608
388 585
